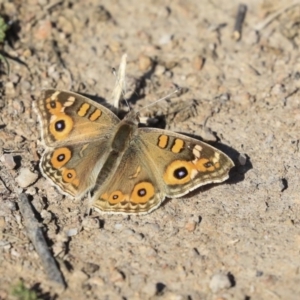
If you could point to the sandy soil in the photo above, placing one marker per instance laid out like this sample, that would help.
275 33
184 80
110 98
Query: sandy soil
236 240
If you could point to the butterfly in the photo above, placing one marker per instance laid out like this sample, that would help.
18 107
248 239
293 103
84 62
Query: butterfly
124 168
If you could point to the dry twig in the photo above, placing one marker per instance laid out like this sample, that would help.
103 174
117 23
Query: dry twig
36 236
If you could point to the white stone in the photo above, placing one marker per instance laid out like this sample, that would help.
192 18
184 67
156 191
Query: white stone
72 232
219 282
26 177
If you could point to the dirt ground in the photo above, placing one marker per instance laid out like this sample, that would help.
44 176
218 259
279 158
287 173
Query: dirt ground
235 240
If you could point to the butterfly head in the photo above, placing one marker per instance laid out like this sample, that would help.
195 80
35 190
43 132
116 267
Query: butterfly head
133 117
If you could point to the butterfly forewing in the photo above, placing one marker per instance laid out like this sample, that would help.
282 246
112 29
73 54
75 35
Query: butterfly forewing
182 163
72 118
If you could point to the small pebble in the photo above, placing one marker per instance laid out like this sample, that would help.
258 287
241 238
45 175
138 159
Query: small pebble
15 78
26 177
278 89
90 268
2 222
136 281
152 228
128 232
37 203
65 25
9 88
31 191
19 221
90 224
53 73
8 161
151 252
169 74
224 97
242 98
7 247
46 215
14 252
3 243
118 226
115 46
18 106
219 282
18 139
198 62
43 2
27 53
145 62
12 205
208 135
53 195
190 226
242 159
164 12
139 236
78 276
98 281
149 290
160 70
172 296
116 276
44 29
72 232
101 14
165 39
25 85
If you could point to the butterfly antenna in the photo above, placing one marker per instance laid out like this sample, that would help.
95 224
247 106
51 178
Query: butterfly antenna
120 85
177 90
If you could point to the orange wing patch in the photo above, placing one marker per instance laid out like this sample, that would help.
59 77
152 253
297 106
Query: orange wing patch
83 110
178 146
95 115
163 141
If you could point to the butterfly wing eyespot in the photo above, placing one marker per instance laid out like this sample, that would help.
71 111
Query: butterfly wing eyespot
142 192
69 176
179 172
207 165
54 107
61 126
60 157
117 197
